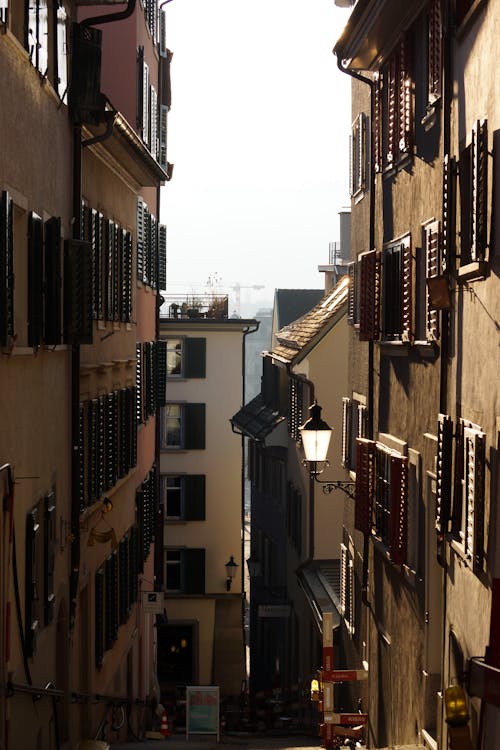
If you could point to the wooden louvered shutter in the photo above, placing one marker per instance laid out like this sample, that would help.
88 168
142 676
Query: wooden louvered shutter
147 246
369 291
99 618
344 582
111 600
161 371
432 262
390 87
474 470
154 123
193 571
435 51
119 275
133 425
351 294
92 457
140 239
163 135
458 477
6 270
162 257
126 302
101 446
82 455
479 191
77 292
194 357
406 290
377 123
399 509
111 440
31 587
448 214
346 431
49 547
35 279
194 426
443 471
153 273
99 262
194 497
52 320
365 484
405 105
138 382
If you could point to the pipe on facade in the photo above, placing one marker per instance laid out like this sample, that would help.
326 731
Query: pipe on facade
120 15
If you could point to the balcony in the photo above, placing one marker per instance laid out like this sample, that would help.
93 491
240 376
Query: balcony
207 306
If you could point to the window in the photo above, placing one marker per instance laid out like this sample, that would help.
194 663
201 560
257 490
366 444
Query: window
473 183
183 426
37 34
468 492
369 296
382 496
185 571
354 417
147 245
393 122
61 58
186 357
397 292
444 458
183 497
295 409
150 378
35 279
359 155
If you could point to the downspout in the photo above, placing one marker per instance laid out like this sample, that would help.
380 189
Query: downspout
120 15
246 332
312 509
371 371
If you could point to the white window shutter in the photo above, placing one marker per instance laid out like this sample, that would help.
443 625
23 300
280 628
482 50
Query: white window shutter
346 430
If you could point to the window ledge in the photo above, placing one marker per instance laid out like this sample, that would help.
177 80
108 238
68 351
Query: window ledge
460 552
473 271
427 349
394 348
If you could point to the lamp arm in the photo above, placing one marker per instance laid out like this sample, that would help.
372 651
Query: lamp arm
349 488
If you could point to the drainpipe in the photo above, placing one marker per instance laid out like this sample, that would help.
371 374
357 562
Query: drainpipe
246 331
120 15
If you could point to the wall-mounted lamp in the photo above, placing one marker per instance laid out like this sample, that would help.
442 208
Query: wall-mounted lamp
254 566
230 572
316 434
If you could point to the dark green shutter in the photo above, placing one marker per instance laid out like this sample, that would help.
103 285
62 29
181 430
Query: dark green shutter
124 579
6 270
52 333
162 256
194 426
195 356
35 279
161 371
127 279
194 497
194 571
77 292
140 238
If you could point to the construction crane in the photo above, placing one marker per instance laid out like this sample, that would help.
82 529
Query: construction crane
236 288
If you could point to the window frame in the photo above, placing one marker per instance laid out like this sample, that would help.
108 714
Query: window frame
397 279
358 142
189 438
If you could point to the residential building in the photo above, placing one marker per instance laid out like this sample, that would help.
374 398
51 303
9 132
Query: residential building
419 424
201 499
78 475
294 575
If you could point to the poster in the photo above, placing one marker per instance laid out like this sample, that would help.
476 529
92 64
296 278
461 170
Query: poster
202 710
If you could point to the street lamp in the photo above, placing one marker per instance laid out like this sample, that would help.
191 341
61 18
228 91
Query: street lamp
316 434
254 566
230 572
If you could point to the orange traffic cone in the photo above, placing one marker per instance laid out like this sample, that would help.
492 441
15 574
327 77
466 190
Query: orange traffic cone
164 730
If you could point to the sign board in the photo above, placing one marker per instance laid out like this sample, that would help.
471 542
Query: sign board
153 602
327 629
328 696
348 675
348 719
202 710
328 664
274 610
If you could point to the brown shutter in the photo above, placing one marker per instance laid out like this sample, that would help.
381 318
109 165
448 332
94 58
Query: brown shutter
390 85
377 121
432 265
443 471
399 509
369 327
448 214
406 290
365 484
479 190
346 431
405 103
435 51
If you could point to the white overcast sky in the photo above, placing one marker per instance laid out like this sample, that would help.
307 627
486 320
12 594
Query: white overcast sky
259 135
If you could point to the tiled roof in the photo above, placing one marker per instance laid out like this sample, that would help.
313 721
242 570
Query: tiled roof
293 338
255 419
